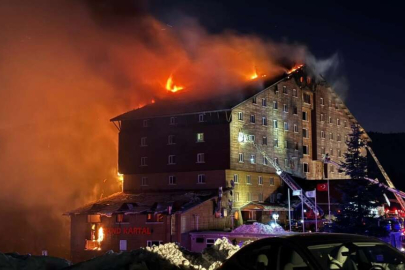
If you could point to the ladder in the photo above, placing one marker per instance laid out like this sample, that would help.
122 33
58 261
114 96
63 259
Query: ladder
399 195
289 180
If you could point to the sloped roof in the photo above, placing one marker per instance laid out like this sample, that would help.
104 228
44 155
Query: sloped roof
129 203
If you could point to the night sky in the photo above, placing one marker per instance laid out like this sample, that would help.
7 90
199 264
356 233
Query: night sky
369 40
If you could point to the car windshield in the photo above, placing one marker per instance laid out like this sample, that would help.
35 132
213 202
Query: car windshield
358 256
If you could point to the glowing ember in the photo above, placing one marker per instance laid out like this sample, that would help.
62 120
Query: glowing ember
254 76
294 69
171 87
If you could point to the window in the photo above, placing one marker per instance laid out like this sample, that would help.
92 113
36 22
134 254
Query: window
338 121
236 178
248 180
146 123
241 157
338 138
121 218
201 179
260 197
295 128
172 159
322 102
143 141
265 161
144 181
152 217
322 134
345 123
252 118
200 137
305 116
322 117
285 126
275 124
254 100
295 110
285 108
260 180
240 116
173 120
305 133
295 93
123 245
339 153
330 136
171 139
276 160
330 120
252 159
252 138
275 105
264 140
264 103
296 146
307 98
275 142
210 241
331 152
172 180
271 181
264 121
285 90
144 161
201 117
305 167
93 218
323 150
276 90
249 196
151 243
200 158
236 197
305 149
286 163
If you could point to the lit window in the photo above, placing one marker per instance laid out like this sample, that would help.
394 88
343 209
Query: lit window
241 157
248 180
285 126
305 149
307 98
201 179
275 124
151 217
285 108
173 120
271 181
171 139
143 141
264 140
172 180
144 181
201 117
305 116
322 134
295 110
275 105
144 161
252 159
305 167
295 93
322 102
260 180
305 133
285 90
236 178
146 123
295 128
200 137
240 116
275 142
200 158
172 159
264 103
254 100
264 121
252 118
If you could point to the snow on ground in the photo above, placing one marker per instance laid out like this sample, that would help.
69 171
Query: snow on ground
259 228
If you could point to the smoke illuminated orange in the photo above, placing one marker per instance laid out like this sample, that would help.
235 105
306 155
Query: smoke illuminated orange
171 87
294 69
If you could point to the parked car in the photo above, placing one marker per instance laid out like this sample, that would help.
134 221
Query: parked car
317 251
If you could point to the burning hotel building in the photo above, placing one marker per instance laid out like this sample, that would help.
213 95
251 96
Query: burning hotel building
193 166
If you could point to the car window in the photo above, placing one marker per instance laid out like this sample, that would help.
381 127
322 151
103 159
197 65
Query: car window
259 257
290 259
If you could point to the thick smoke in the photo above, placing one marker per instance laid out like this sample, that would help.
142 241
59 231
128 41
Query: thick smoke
66 68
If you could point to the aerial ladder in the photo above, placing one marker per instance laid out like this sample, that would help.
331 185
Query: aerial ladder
399 195
286 177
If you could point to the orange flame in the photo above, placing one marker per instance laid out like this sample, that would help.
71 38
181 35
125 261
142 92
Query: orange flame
254 76
171 87
120 176
100 235
294 69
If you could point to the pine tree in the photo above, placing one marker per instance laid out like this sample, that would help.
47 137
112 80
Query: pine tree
359 196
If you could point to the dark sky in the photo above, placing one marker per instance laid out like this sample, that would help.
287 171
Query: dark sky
369 39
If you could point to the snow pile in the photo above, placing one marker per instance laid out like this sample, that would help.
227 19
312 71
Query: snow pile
259 228
14 261
219 252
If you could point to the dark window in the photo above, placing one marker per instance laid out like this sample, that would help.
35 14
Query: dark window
307 98
264 103
199 240
252 119
254 100
295 110
305 116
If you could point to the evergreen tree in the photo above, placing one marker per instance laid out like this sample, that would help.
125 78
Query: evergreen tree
359 196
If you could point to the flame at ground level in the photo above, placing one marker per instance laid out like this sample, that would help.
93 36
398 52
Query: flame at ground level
100 235
170 85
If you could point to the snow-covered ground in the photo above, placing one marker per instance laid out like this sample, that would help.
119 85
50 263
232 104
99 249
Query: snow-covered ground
259 228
